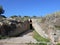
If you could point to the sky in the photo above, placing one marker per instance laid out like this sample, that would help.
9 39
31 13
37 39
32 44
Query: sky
30 7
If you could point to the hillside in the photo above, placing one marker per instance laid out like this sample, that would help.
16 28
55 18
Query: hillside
51 19
51 25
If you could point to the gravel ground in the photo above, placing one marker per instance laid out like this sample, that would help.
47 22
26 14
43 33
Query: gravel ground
21 40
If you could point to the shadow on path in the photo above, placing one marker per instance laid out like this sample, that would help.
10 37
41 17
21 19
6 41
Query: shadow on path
26 32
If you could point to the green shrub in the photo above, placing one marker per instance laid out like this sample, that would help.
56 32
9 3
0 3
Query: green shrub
36 43
57 27
3 37
58 44
39 38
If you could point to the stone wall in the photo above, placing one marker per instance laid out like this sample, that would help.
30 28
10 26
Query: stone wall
14 29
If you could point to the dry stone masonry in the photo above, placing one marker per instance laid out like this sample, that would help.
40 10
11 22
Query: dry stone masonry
12 27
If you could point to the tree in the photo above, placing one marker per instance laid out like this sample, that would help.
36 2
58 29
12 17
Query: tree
19 16
14 16
1 10
27 16
34 17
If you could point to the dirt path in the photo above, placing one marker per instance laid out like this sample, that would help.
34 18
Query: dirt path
24 38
